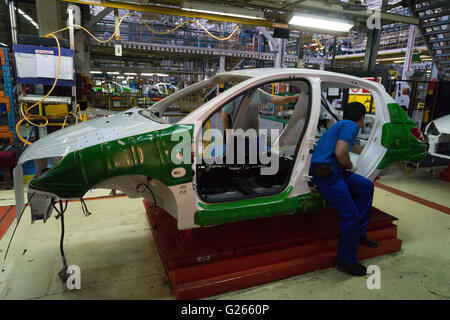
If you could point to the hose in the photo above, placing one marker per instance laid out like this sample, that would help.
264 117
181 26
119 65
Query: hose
28 117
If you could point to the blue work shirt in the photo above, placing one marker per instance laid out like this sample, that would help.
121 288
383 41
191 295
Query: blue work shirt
345 130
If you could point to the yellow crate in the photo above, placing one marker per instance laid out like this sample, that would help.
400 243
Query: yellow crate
56 109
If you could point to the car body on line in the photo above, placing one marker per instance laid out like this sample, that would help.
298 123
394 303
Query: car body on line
132 151
438 136
112 87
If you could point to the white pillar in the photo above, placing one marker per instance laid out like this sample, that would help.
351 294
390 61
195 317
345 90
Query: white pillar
48 16
409 51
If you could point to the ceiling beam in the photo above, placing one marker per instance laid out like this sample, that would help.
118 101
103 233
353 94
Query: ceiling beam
98 17
338 9
201 15
176 12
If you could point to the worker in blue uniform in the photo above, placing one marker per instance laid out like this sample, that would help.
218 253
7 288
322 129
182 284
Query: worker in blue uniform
349 193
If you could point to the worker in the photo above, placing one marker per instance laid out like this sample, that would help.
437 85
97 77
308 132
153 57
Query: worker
349 193
230 110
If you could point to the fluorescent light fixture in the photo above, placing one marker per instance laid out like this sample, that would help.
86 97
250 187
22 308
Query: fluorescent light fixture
130 73
23 14
113 72
322 23
147 74
93 1
120 77
96 72
130 77
3 44
400 61
199 6
162 75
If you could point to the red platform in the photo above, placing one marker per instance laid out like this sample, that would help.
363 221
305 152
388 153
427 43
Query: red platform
205 262
7 215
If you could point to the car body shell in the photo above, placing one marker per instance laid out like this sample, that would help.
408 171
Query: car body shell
126 150
438 133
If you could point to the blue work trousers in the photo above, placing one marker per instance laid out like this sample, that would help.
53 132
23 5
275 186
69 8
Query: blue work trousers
351 195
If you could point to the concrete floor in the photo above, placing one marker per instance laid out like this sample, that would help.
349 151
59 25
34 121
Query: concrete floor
119 259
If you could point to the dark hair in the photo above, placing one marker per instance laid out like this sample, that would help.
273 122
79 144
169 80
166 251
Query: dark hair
354 111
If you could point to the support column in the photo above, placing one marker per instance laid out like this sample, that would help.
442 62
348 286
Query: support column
276 46
48 16
13 21
373 41
434 72
409 52
222 64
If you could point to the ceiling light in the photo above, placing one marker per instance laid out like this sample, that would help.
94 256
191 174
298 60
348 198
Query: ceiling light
113 72
147 74
162 75
130 74
23 14
198 6
96 72
120 77
92 1
322 23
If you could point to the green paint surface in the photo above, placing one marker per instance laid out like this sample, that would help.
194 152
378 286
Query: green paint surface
397 138
280 204
147 154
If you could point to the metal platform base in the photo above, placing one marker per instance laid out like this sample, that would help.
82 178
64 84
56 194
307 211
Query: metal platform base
205 262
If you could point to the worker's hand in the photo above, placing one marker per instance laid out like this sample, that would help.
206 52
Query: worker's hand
353 168
294 99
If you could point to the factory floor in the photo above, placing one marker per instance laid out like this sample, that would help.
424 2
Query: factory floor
119 260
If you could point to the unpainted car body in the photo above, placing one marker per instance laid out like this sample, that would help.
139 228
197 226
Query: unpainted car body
131 151
438 136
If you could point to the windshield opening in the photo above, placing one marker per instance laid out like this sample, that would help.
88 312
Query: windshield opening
176 106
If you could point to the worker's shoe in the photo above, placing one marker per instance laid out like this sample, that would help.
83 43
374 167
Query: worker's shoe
365 241
355 269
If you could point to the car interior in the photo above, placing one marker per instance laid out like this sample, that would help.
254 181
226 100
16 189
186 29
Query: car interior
218 181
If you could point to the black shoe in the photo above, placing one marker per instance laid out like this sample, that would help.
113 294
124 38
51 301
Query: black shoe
355 269
365 241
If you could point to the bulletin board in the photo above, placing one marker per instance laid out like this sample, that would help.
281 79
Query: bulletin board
38 65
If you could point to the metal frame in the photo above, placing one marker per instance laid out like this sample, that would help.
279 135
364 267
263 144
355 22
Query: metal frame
9 94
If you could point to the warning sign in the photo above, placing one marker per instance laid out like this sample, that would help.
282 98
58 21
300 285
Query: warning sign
361 90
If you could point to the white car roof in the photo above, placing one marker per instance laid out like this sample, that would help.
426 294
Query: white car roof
442 124
264 72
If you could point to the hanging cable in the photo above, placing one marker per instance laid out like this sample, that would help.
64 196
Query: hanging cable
146 186
63 272
26 116
84 208
15 228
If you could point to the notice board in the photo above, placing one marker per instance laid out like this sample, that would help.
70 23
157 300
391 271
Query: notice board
39 65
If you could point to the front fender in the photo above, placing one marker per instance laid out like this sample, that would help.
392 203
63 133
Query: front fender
146 154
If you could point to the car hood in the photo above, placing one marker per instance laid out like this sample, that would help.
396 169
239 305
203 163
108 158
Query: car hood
92 132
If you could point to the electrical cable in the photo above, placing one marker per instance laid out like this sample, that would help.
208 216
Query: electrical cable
63 272
15 228
147 186
25 114
84 207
